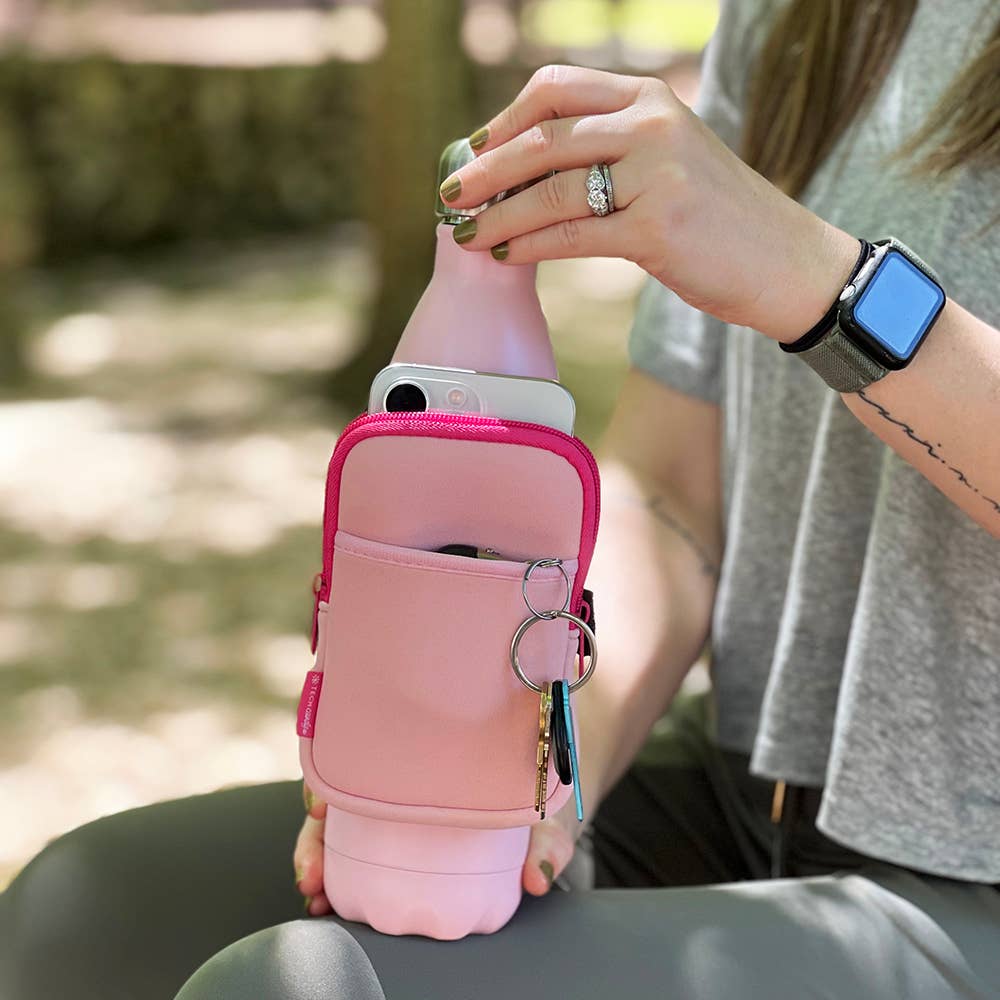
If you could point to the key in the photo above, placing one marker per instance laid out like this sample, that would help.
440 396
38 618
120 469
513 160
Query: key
567 710
544 747
560 742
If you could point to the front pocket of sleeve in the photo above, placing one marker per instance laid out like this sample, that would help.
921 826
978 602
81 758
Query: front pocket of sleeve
420 707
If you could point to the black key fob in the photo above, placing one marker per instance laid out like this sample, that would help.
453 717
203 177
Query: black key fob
560 737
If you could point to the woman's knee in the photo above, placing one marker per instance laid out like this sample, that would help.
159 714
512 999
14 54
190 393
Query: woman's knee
298 960
55 917
135 901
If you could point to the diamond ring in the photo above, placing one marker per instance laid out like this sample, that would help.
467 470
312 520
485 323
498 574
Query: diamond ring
600 196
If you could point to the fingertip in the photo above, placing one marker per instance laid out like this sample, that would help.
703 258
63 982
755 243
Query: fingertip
310 884
480 138
318 905
538 877
534 882
548 872
315 806
451 189
464 232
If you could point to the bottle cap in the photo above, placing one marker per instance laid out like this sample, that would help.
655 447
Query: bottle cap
455 156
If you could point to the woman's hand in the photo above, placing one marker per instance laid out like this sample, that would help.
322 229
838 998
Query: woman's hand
549 851
309 855
689 211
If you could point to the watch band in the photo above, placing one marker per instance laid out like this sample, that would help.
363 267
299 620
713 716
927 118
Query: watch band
838 355
841 364
825 348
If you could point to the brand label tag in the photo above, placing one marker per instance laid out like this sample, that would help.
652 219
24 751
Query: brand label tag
308 702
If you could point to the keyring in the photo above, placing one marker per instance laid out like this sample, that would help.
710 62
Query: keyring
544 564
519 635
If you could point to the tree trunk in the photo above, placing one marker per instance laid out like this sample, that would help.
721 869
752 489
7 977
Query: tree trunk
419 97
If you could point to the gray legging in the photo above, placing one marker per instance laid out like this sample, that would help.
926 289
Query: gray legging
196 895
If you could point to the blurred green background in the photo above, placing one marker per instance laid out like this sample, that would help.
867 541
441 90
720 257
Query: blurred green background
215 219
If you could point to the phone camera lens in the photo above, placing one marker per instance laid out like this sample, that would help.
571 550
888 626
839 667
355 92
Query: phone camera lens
405 398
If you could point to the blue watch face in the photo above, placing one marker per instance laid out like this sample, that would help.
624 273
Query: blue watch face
898 305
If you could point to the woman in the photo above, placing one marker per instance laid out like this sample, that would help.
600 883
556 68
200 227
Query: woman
834 533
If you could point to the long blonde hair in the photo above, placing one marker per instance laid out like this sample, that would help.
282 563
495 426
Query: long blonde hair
824 59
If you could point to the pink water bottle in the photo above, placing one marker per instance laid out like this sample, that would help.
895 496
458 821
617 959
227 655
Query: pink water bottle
415 729
477 312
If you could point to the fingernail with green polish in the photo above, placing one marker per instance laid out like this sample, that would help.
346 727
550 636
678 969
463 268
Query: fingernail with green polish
308 903
479 137
547 870
451 188
464 231
299 875
500 252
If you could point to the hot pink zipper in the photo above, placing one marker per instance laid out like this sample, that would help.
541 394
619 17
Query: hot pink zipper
462 426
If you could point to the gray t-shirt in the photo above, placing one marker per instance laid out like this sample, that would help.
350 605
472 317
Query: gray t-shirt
856 631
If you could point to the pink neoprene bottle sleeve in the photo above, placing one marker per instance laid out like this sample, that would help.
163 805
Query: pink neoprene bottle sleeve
413 726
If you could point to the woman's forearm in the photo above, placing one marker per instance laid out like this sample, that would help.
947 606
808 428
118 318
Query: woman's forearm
654 576
728 242
942 413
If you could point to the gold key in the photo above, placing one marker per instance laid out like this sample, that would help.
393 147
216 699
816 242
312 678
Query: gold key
544 747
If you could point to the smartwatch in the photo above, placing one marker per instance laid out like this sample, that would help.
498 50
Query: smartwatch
879 320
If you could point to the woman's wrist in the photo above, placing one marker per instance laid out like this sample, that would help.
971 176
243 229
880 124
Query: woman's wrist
814 278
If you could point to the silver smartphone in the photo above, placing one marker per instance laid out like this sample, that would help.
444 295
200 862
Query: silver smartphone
404 387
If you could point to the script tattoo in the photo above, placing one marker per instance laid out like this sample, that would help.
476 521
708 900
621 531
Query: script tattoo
707 564
913 436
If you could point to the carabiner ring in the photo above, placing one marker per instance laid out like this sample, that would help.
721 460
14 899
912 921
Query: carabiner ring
544 564
519 635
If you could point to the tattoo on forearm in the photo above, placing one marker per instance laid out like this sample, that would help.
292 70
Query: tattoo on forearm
913 436
653 504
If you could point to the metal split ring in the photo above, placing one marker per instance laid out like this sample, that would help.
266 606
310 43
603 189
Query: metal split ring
545 564
519 635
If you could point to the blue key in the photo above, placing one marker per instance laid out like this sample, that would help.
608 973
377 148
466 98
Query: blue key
571 739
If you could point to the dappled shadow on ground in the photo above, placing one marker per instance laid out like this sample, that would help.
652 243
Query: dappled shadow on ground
161 490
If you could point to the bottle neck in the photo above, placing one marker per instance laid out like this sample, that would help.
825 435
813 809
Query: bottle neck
480 314
451 259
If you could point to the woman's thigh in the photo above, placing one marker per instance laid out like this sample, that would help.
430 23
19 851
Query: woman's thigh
129 905
684 813
879 935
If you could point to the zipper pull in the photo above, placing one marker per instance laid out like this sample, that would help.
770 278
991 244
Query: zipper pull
779 833
778 802
317 586
469 551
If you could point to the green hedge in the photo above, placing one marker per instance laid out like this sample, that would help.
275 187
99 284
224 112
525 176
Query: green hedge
98 155
107 156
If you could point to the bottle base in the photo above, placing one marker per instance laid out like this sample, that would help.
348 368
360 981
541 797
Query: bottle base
435 881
